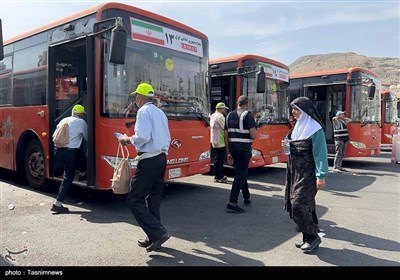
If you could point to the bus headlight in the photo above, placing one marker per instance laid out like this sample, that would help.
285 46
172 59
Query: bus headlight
205 155
114 161
256 153
358 145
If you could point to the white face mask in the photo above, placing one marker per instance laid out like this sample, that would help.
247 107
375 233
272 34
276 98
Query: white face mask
137 103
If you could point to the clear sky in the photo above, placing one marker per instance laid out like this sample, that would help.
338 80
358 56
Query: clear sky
281 30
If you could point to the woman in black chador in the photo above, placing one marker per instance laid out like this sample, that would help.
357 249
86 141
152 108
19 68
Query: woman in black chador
307 167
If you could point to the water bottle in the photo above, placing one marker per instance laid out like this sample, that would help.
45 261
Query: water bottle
118 135
286 146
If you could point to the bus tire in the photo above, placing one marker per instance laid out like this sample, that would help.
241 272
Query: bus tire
35 165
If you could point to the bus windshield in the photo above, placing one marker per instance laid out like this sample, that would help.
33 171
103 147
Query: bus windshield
178 79
364 109
390 108
270 106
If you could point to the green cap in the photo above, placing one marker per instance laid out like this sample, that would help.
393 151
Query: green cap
221 105
144 89
78 109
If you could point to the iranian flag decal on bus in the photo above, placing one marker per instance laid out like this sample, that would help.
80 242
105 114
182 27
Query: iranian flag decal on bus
165 37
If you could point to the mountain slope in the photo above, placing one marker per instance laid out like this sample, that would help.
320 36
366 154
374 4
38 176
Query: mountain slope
387 68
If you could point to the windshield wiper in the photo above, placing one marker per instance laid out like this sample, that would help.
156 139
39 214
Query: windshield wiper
200 116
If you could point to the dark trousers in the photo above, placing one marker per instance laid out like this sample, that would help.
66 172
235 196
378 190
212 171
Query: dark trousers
145 196
82 162
314 217
219 159
70 159
340 150
241 161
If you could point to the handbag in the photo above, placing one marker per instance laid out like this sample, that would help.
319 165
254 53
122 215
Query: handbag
120 183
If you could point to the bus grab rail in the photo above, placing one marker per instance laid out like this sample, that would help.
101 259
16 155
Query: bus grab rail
65 112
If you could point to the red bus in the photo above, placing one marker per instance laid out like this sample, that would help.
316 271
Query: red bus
353 90
390 117
96 58
265 82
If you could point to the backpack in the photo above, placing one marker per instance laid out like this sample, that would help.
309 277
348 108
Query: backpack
61 135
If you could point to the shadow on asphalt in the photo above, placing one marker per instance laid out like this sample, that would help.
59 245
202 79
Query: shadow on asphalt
197 213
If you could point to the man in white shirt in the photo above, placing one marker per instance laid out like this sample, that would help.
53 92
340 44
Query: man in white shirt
71 154
217 124
151 140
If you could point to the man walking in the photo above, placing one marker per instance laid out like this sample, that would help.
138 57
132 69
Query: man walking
151 140
70 154
240 130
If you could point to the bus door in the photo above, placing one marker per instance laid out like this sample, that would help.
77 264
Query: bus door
319 96
67 87
327 99
223 89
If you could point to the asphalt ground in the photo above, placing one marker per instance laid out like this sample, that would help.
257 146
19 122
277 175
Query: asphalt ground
358 212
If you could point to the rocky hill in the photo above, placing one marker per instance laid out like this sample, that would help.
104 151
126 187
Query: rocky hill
388 68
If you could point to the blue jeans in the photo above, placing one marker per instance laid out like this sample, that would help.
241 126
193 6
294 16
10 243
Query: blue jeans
70 159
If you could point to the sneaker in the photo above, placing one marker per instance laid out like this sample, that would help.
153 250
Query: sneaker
342 169
309 245
59 209
299 244
247 202
335 169
223 180
234 209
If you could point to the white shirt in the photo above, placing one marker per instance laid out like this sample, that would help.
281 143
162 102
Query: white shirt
217 123
151 130
77 131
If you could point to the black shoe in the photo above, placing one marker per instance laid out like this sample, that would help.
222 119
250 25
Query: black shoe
247 202
59 209
234 209
299 244
157 243
144 243
82 177
308 246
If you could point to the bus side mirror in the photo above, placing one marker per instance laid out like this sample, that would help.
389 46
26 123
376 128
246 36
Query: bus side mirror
261 80
371 90
118 45
1 42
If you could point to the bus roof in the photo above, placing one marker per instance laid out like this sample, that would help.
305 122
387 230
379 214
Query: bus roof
99 9
333 72
241 57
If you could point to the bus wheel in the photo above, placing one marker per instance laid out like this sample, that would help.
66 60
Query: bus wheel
35 170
